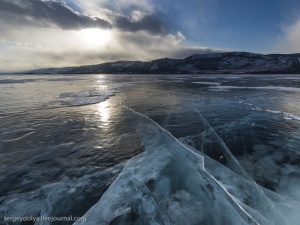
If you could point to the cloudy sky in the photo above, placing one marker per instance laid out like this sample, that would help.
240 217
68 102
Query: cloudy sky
42 33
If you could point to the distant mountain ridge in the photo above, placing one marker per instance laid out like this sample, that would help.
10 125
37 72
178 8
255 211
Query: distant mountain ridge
228 62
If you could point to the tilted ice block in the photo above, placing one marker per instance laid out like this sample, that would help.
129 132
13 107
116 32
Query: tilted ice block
169 182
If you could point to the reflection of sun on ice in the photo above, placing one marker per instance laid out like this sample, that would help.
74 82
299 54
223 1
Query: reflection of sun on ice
95 37
103 110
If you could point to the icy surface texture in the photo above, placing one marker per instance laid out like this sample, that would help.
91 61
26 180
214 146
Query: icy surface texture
84 97
273 164
171 183
87 97
70 197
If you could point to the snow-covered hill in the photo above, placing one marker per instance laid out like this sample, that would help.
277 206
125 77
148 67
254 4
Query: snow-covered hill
229 62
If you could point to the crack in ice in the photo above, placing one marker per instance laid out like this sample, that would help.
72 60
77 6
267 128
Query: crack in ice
202 158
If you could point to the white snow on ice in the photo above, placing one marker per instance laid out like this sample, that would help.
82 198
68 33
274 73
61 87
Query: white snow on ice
286 115
277 88
206 83
291 116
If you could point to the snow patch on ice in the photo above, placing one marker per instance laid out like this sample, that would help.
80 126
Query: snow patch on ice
257 109
177 81
288 78
206 83
291 116
273 111
285 115
276 88
233 77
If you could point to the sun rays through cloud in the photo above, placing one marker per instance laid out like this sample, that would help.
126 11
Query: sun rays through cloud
95 37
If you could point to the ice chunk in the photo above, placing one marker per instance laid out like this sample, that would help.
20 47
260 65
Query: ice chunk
87 97
162 185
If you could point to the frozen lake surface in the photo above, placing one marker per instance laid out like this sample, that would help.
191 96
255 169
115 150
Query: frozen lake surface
177 149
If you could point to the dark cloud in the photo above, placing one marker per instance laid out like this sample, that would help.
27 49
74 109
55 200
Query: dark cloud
148 23
46 13
58 14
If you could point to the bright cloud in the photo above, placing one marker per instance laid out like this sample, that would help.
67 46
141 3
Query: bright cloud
39 34
289 41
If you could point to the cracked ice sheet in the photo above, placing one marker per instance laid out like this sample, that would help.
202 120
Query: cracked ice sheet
171 184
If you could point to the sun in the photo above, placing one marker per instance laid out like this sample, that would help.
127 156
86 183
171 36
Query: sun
95 37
